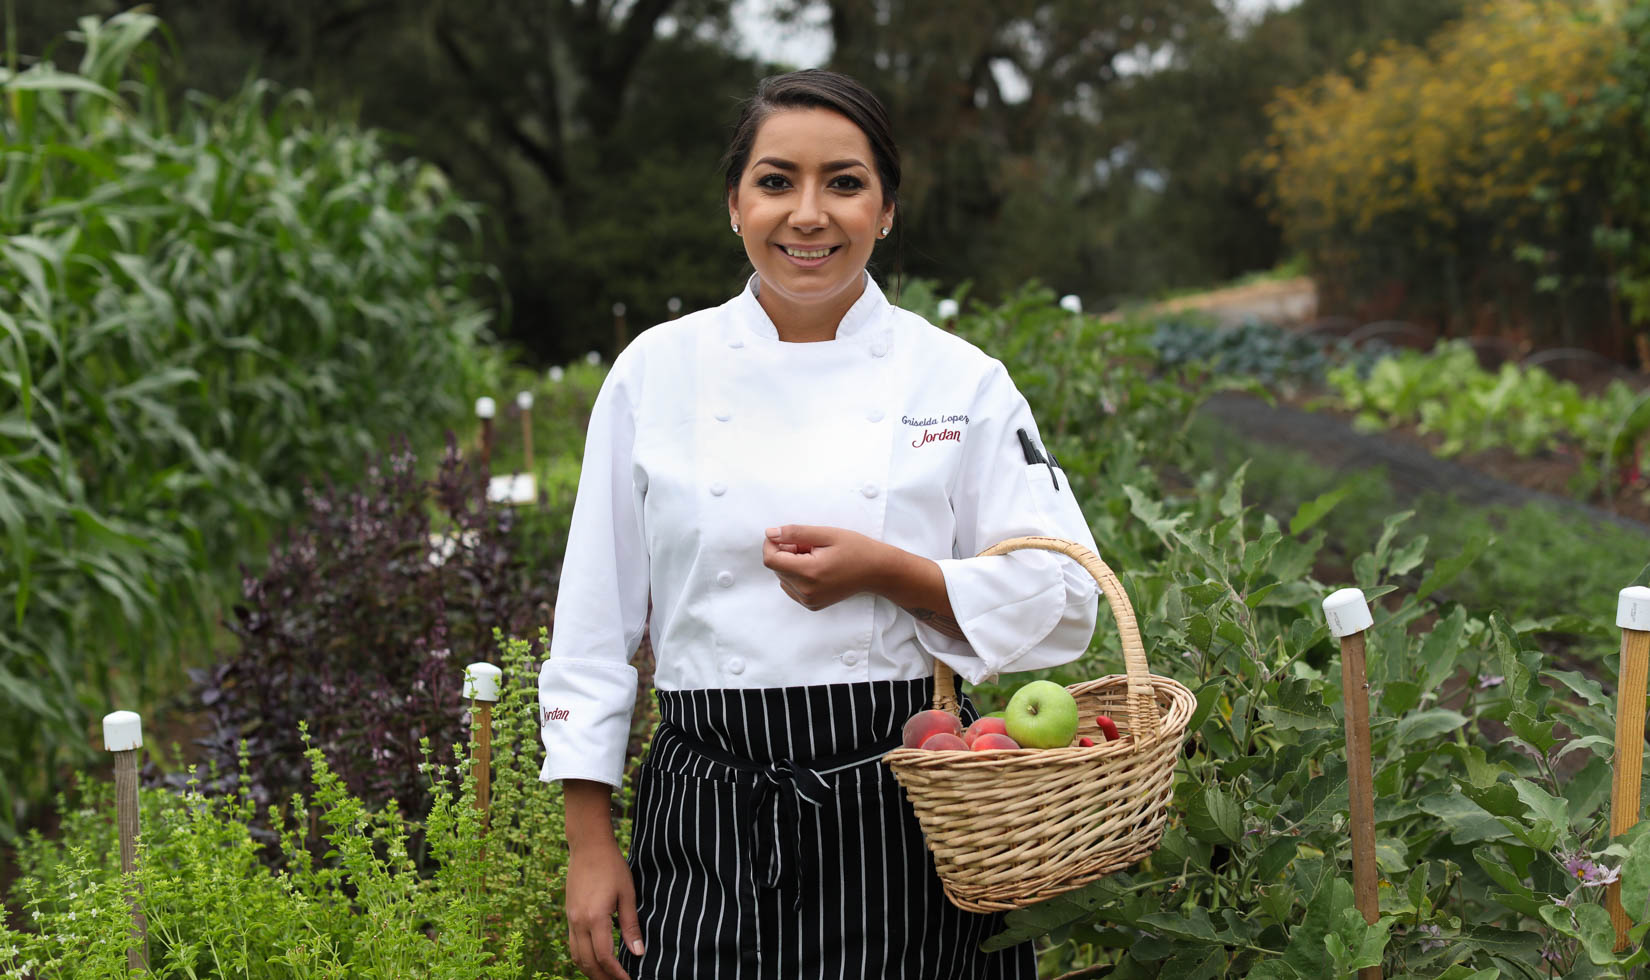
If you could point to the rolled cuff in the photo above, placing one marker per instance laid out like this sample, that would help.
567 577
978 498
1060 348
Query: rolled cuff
584 718
1021 611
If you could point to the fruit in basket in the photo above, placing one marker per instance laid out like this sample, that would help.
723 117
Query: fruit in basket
992 740
945 742
1085 743
1042 715
1107 727
985 726
924 725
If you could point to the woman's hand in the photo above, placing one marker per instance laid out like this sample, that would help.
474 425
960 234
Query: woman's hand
598 884
821 566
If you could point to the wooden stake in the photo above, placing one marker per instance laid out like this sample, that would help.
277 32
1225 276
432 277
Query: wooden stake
485 410
621 331
1633 616
123 736
524 402
481 688
1349 617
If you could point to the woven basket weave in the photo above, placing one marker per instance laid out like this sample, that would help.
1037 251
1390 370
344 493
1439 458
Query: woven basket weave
1010 827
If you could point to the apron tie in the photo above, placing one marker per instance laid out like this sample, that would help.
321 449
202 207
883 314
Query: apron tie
783 788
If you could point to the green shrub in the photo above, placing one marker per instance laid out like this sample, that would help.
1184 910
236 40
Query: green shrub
492 907
207 303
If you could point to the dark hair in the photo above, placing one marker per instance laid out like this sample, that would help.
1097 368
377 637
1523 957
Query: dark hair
816 88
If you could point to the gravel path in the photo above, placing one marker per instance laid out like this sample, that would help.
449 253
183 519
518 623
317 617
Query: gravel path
1411 470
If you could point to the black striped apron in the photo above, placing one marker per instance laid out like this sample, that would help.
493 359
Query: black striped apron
769 842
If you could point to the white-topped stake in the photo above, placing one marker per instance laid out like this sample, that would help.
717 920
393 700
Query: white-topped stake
524 400
486 408
947 309
1633 616
1633 608
123 735
1347 612
481 682
555 374
481 689
122 731
1071 303
674 305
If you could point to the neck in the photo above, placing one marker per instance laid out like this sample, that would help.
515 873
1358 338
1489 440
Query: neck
806 323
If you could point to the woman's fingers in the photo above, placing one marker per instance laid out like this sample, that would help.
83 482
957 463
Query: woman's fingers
630 927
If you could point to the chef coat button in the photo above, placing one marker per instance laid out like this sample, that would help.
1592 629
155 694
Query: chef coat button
736 666
736 342
879 348
717 489
850 658
724 579
874 415
723 415
870 490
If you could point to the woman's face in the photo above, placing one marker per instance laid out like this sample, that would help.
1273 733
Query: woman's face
809 207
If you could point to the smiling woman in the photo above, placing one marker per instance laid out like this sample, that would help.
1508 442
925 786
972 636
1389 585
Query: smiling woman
795 482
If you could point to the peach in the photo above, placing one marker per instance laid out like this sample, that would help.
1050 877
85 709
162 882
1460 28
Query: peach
992 740
926 724
945 742
985 726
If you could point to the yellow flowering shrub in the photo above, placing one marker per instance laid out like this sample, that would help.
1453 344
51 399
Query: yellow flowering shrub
1446 167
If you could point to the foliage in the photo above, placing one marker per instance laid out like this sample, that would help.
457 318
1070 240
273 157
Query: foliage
1613 120
360 624
207 302
1445 393
214 908
1432 169
1264 352
1540 562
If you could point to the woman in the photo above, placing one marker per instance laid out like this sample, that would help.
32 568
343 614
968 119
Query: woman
799 479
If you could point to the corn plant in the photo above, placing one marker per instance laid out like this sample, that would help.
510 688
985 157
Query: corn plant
202 303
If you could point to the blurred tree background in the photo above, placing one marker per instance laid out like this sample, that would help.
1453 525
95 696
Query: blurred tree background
1109 148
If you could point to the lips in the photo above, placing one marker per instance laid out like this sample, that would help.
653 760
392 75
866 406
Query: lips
808 258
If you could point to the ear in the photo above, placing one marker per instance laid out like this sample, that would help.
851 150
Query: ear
887 219
733 205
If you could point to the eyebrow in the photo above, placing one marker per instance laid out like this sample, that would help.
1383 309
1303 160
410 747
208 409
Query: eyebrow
834 165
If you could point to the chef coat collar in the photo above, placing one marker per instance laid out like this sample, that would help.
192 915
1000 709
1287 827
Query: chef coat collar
866 312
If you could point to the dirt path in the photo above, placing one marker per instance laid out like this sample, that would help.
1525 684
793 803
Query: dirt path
1276 301
1411 470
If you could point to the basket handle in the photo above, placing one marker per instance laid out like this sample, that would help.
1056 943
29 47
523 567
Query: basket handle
1142 699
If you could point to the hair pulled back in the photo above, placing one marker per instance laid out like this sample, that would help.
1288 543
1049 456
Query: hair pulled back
816 88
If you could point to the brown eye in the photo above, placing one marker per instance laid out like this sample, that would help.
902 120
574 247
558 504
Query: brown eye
774 182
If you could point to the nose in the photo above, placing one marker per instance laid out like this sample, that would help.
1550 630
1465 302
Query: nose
809 213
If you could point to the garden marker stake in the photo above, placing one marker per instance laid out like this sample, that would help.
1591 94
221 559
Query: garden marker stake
621 332
123 735
481 688
1348 615
1633 616
524 402
485 410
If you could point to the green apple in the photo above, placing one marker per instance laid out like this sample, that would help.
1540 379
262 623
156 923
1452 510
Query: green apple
1042 715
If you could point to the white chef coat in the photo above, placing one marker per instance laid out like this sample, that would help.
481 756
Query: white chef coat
709 429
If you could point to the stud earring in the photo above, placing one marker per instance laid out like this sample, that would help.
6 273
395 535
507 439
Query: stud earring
736 227
884 232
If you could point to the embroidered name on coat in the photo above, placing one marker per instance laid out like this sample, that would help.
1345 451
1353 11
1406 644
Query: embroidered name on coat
554 714
943 435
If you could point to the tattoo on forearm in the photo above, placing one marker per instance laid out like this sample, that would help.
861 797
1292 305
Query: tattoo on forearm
944 625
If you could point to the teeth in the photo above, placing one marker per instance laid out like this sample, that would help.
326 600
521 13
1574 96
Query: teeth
817 253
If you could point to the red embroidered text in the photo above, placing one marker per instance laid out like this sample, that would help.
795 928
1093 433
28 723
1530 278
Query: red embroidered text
555 714
943 435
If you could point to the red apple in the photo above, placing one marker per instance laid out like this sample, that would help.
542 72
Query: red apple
926 724
945 742
985 726
992 740
1107 727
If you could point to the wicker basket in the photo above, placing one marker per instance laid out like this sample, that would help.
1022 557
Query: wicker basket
1011 827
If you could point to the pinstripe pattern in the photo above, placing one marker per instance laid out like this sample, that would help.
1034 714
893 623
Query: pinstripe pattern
858 897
